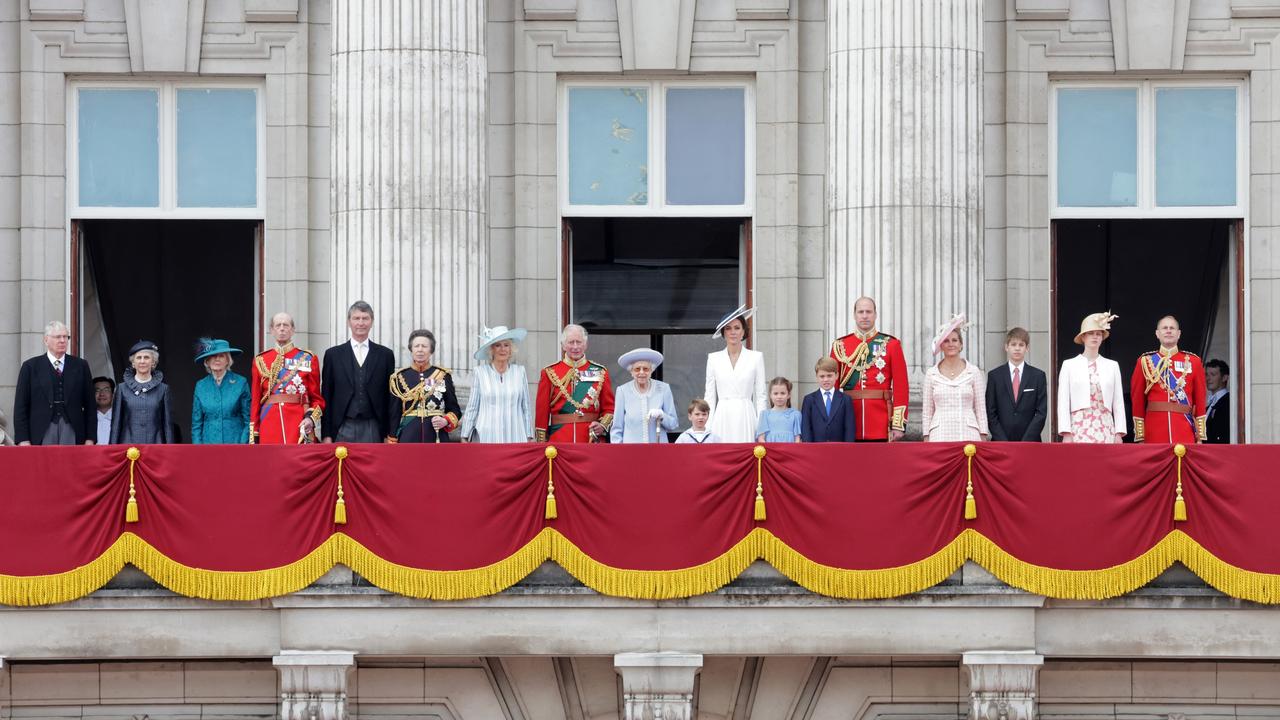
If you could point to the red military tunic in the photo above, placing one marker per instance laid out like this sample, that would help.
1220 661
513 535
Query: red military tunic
873 373
572 395
284 390
1169 398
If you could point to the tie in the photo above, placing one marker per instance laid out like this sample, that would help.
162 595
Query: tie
1017 378
57 367
826 396
361 349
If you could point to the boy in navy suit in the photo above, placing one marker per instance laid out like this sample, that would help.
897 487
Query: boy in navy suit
1017 394
827 413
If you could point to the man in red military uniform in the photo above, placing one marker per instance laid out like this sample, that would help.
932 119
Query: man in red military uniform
873 373
1168 391
575 395
284 394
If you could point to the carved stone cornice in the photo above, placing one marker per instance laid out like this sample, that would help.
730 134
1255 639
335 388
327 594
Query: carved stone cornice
1003 684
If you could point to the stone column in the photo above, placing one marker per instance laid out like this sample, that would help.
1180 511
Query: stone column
657 686
904 169
409 175
313 684
1002 685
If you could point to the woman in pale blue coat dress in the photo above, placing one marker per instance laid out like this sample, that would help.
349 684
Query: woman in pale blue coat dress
643 408
220 408
498 408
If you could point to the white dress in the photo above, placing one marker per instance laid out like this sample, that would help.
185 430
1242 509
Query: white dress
736 393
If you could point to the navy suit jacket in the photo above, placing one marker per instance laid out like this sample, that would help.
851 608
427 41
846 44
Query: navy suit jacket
1019 421
817 426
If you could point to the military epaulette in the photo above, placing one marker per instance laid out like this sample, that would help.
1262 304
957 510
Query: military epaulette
887 336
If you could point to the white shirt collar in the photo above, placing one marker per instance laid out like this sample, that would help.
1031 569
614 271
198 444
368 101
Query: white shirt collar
106 414
1017 367
356 344
53 359
1215 396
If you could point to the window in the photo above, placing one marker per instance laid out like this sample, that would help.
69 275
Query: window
656 148
1147 149
166 149
662 283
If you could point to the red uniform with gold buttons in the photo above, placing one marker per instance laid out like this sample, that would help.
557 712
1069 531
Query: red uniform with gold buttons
284 390
873 373
1169 397
572 395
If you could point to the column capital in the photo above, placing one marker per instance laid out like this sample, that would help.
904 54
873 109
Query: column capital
313 683
657 685
1003 684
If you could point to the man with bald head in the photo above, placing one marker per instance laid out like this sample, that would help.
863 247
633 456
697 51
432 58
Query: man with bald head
285 404
873 373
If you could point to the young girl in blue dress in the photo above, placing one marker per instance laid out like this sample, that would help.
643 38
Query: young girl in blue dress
781 422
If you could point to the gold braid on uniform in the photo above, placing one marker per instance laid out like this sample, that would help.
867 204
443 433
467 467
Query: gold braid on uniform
858 363
1153 372
563 386
411 398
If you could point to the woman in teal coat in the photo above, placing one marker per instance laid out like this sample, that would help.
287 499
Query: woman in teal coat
220 410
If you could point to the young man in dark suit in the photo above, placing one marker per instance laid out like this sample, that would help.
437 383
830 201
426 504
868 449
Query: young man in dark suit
1218 426
54 401
354 381
827 413
1017 394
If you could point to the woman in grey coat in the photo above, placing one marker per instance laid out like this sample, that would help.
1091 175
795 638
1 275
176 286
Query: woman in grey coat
141 413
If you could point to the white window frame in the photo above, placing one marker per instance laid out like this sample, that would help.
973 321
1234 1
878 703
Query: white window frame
1146 207
168 208
657 106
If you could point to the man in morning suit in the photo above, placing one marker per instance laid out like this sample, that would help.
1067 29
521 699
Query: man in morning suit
575 395
354 381
1017 394
54 400
873 373
1168 391
826 414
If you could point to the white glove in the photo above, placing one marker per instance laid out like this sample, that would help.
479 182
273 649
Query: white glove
656 414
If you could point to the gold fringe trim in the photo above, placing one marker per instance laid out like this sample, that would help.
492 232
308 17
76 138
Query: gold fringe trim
864 584
1072 584
656 584
442 584
549 544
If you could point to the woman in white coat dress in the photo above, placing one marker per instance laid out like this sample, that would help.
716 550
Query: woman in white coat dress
736 381
1091 389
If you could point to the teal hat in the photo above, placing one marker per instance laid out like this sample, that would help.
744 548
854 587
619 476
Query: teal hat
208 347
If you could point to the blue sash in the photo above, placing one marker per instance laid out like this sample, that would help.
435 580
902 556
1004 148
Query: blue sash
1171 383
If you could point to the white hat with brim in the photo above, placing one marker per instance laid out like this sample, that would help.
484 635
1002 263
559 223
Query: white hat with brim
1097 321
957 322
489 336
631 357
743 312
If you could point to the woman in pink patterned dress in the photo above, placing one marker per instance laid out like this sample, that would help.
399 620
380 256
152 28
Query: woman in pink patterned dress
1090 389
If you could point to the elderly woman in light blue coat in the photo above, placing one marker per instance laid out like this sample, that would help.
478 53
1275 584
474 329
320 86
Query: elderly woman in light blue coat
643 408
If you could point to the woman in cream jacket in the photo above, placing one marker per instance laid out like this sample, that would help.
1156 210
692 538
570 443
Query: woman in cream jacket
1090 389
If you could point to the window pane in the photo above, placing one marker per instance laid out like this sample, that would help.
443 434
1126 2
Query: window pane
118 147
706 146
654 274
217 147
609 146
1195 146
1098 147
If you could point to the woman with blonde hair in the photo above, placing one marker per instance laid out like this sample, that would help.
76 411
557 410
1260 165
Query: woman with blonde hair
498 408
955 391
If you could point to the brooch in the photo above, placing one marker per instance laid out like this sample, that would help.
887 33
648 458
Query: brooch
880 377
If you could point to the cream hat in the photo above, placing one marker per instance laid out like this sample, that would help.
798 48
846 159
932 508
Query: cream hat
1097 321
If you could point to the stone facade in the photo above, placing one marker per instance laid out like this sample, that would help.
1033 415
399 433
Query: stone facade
435 193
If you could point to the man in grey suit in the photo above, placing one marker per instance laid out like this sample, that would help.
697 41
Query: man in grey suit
1017 394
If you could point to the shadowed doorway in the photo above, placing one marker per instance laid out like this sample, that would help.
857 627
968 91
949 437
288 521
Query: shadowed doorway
170 281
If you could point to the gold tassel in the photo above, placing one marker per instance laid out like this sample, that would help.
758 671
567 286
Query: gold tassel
760 512
1179 505
340 508
970 505
551 513
131 507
